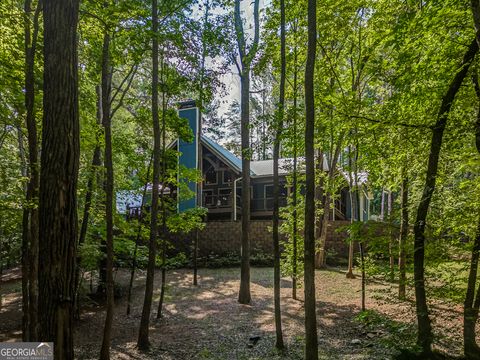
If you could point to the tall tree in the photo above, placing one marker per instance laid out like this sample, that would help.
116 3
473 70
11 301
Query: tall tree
143 342
424 338
58 177
311 342
276 187
404 224
295 176
162 194
199 149
138 237
244 65
107 125
96 163
30 224
472 296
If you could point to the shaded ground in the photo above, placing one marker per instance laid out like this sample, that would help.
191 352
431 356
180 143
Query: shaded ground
206 322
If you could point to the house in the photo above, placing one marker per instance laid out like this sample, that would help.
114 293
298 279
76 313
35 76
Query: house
220 191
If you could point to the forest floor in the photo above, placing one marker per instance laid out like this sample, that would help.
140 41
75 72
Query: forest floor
206 322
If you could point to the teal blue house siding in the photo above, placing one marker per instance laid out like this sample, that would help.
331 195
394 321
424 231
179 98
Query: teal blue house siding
189 155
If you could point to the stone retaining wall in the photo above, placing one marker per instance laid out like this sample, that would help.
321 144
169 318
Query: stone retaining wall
224 237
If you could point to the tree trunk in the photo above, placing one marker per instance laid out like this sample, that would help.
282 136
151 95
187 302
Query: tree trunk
25 242
382 206
322 230
364 279
244 296
137 240
472 300
195 258
109 194
391 244
244 293
403 239
199 148
311 341
320 198
294 182
424 339
321 263
164 208
276 186
143 342
96 162
58 179
471 304
353 202
360 241
31 228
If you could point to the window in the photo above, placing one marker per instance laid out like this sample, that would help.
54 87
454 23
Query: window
239 192
209 172
269 191
224 197
268 196
208 198
227 177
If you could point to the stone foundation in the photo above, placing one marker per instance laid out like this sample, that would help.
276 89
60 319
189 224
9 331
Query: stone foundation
224 238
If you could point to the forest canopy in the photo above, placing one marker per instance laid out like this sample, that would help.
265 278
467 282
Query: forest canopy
373 105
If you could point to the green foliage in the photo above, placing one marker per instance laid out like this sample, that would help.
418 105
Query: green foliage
261 259
178 261
382 69
232 259
220 261
90 254
187 221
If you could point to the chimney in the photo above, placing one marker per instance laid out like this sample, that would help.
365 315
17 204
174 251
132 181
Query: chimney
189 152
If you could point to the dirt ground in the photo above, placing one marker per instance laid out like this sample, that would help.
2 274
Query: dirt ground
206 322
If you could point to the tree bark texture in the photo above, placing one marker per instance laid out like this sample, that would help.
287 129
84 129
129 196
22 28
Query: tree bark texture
58 178
472 297
246 57
143 342
31 223
109 193
295 184
276 193
311 341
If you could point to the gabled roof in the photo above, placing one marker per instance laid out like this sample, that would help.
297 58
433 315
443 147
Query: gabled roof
226 156
285 166
263 168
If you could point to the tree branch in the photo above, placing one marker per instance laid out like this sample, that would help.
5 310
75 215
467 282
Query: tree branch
120 102
388 123
239 31
119 89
